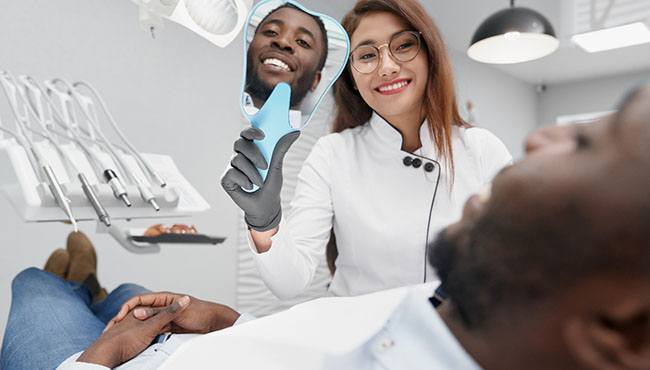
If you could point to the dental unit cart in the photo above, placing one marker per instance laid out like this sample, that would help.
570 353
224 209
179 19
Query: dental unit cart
57 165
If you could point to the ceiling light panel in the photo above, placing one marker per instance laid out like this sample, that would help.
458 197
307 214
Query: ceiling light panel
613 37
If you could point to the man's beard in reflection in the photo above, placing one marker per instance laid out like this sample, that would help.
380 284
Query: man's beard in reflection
259 89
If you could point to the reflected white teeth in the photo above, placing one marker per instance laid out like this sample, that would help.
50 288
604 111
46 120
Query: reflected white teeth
277 63
394 86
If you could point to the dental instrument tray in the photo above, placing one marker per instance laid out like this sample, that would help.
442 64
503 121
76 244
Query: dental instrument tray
57 164
179 239
176 234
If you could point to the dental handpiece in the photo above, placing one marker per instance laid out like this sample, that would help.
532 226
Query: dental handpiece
60 198
118 188
94 201
148 196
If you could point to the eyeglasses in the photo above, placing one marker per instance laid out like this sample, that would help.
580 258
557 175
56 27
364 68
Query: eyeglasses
403 47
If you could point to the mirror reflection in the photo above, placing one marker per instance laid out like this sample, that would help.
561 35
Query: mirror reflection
287 43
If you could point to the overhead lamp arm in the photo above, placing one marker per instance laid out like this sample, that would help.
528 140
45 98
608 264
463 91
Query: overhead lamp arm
218 21
512 3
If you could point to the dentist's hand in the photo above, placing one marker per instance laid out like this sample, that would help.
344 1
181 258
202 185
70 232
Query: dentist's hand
261 208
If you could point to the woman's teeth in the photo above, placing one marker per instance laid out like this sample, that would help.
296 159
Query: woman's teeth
394 86
277 63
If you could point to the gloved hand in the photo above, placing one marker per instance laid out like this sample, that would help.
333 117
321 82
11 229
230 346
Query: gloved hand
262 210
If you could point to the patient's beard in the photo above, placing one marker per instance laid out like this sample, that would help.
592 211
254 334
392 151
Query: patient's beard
261 90
257 88
443 254
470 279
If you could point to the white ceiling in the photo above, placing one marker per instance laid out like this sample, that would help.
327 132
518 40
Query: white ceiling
458 19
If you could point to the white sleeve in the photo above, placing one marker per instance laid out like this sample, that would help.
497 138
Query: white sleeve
289 266
71 364
493 154
244 318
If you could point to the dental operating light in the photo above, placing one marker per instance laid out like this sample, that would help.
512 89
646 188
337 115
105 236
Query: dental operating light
218 21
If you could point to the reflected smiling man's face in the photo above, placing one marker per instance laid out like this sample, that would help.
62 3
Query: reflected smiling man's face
287 47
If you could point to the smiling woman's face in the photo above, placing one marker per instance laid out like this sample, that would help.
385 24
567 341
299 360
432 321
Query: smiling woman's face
395 87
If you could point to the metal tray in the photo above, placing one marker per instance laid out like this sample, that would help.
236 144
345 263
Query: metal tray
178 239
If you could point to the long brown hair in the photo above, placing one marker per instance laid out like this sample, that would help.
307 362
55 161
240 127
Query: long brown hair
441 110
440 107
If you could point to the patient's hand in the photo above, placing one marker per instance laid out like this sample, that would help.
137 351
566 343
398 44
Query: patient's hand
129 337
199 317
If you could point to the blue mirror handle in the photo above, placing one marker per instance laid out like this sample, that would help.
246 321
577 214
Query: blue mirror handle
273 120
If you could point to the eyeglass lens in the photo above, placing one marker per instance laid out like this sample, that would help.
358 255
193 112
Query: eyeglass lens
403 47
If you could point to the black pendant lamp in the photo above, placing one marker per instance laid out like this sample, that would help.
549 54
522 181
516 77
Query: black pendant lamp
513 35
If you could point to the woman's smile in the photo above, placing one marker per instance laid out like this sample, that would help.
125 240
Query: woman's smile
393 87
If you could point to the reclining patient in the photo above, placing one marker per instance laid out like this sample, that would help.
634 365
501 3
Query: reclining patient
552 271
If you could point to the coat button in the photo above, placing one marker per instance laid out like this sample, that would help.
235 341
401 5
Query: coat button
417 162
387 343
429 166
407 161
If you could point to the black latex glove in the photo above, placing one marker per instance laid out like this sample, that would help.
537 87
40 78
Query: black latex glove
261 208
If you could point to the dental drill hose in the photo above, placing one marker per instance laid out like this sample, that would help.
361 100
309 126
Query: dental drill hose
118 188
94 201
147 167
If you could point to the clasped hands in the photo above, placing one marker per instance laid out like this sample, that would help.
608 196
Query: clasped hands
144 317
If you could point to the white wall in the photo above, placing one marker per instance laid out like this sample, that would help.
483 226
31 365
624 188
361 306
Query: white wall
502 104
596 95
175 95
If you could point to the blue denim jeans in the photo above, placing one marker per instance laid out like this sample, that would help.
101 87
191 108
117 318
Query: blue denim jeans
51 319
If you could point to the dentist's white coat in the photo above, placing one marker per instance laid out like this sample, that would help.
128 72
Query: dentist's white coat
383 212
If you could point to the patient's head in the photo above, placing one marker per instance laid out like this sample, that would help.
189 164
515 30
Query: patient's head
560 253
289 45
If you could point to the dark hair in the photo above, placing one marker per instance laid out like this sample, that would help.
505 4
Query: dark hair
321 26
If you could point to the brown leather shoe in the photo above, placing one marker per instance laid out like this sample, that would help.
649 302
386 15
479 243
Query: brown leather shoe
58 263
98 293
83 264
83 259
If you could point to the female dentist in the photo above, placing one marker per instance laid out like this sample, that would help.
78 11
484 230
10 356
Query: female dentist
397 169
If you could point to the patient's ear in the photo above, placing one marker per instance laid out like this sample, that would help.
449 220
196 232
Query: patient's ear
615 337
